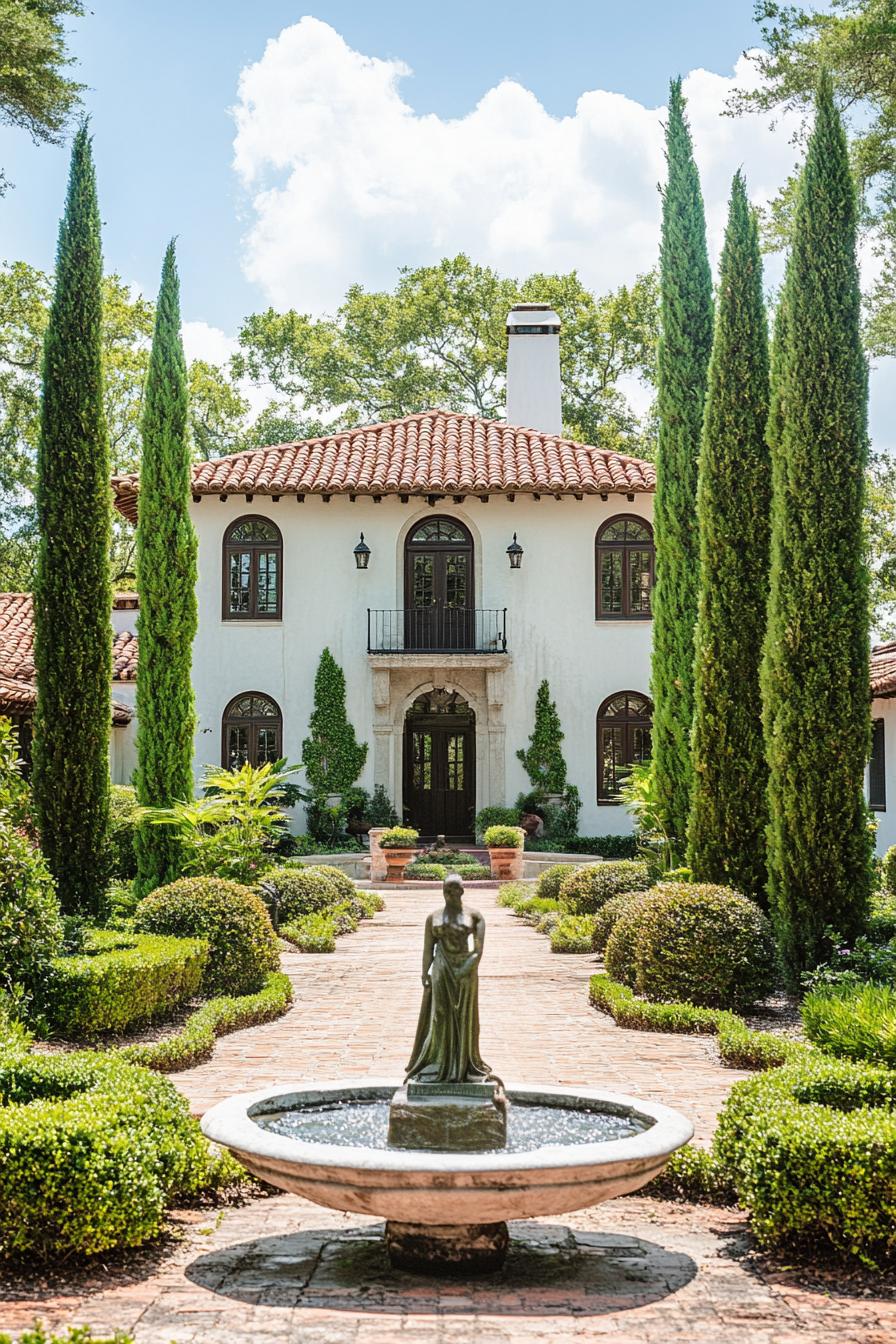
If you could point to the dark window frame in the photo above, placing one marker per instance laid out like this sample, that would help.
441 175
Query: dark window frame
629 722
877 767
253 723
254 550
623 549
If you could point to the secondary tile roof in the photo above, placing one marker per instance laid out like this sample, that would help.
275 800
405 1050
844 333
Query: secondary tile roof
17 643
434 452
883 670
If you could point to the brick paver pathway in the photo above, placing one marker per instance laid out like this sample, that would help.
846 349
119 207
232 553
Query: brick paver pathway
635 1271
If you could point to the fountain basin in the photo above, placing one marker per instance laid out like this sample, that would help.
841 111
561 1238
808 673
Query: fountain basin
448 1189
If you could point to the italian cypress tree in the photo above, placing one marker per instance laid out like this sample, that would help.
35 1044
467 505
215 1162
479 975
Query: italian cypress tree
331 754
72 594
682 360
815 666
726 830
166 576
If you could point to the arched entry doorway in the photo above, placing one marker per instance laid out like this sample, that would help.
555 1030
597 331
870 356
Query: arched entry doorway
440 765
438 586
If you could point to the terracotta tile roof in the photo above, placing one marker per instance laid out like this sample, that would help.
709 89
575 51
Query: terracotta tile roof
883 670
17 643
434 452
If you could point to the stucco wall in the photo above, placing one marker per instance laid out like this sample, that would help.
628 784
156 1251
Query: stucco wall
886 820
552 630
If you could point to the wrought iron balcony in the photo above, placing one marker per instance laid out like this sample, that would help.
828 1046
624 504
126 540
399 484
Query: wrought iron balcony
437 629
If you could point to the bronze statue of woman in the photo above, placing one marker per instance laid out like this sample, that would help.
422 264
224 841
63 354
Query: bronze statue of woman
446 1049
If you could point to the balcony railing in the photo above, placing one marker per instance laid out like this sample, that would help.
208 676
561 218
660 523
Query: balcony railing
437 630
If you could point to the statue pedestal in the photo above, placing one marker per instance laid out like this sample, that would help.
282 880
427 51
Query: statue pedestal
448 1117
453 1249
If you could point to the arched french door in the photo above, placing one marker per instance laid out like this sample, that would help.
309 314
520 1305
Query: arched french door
440 765
439 601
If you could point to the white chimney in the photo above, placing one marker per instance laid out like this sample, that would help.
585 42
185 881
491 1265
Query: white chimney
533 367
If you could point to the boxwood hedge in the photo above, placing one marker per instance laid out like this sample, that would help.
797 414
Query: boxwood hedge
585 890
91 1151
120 980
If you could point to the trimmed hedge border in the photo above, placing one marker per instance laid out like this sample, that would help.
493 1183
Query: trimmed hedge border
739 1046
693 1176
122 980
195 1042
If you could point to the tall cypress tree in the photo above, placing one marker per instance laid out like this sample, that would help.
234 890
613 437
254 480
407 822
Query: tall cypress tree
72 595
166 577
726 830
815 667
682 360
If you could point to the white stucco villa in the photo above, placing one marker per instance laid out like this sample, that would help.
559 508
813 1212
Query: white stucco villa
450 563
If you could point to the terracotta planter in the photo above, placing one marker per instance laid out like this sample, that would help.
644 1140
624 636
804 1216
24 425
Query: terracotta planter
507 864
396 862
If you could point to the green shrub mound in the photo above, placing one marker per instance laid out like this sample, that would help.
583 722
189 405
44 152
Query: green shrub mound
302 891
399 837
811 1148
609 915
550 881
888 870
694 1176
495 816
882 917
345 918
426 872
91 1152
371 902
853 1021
312 933
341 883
531 908
30 926
572 933
195 1042
503 837
585 890
118 982
547 922
472 872
695 943
122 831
234 921
511 894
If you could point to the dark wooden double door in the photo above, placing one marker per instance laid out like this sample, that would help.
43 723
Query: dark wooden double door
439 612
440 773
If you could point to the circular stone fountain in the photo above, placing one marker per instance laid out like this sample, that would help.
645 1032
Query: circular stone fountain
451 1156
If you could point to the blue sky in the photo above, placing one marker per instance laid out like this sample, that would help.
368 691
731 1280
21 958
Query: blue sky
163 77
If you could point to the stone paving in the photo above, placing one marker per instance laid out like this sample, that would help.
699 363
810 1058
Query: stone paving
636 1271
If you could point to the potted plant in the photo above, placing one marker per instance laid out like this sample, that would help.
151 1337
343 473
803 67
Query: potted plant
398 846
505 845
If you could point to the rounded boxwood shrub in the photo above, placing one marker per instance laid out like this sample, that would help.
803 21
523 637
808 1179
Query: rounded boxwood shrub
30 924
495 816
585 890
339 881
301 891
608 915
92 1150
233 920
551 879
695 943
122 830
811 1148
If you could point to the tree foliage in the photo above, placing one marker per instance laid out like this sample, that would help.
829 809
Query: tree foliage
543 758
331 754
73 598
166 578
683 356
439 339
726 829
35 93
815 668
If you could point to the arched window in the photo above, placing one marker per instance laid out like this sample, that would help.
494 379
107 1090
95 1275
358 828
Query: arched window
252 731
253 551
624 561
623 740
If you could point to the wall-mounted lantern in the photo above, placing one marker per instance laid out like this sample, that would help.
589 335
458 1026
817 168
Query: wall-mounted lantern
515 553
362 554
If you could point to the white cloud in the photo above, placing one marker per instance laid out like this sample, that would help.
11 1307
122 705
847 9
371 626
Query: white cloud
202 341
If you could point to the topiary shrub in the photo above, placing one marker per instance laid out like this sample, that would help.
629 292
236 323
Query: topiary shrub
812 1151
695 943
233 920
299 892
585 890
495 816
92 1150
30 924
339 881
122 831
115 984
572 933
504 837
550 881
853 1021
312 933
608 915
